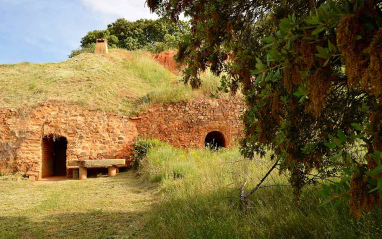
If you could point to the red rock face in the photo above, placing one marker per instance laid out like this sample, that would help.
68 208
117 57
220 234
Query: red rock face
89 135
93 135
186 124
167 60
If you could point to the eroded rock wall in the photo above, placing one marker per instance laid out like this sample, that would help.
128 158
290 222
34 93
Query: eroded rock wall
186 124
90 135
98 135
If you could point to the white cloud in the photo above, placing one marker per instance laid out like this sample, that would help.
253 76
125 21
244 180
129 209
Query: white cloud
110 10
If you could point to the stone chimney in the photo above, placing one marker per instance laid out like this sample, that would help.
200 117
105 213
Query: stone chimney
101 46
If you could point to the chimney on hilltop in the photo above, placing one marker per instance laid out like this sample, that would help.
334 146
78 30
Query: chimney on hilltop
101 46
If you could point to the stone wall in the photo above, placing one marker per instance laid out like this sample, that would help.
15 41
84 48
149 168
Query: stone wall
186 124
90 135
97 135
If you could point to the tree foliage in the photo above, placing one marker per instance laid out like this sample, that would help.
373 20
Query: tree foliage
154 35
311 73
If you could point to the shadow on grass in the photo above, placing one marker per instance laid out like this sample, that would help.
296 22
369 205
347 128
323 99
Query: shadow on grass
95 224
271 214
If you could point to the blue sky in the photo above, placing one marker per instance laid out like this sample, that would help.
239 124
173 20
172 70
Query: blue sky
47 30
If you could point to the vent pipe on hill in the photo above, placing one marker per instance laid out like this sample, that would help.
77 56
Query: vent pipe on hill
101 46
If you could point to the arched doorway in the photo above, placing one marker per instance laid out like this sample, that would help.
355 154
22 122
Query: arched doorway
54 156
215 140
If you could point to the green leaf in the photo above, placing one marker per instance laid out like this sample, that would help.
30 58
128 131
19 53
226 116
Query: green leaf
269 76
379 185
376 171
336 156
284 24
327 62
364 107
330 145
374 190
342 136
304 74
298 94
347 171
318 30
323 52
378 153
345 179
269 39
368 127
277 74
358 37
258 79
268 45
335 140
332 47
357 126
313 20
260 66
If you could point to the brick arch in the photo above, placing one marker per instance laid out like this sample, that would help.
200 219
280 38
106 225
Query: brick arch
215 140
225 130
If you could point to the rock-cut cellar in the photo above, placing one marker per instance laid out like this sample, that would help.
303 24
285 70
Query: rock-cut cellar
48 139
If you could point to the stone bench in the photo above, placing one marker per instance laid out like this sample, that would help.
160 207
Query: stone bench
32 175
110 164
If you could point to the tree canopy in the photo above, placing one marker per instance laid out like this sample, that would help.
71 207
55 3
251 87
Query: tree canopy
311 74
154 35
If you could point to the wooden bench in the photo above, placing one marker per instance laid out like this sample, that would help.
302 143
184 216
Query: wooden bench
110 164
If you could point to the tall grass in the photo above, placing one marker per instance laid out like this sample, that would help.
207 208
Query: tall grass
200 191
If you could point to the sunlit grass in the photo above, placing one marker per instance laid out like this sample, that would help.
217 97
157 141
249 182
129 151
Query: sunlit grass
94 208
121 82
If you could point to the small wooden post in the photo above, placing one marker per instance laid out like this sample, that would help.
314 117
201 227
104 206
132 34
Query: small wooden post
112 171
83 173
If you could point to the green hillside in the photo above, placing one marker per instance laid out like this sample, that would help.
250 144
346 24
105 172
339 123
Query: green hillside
122 82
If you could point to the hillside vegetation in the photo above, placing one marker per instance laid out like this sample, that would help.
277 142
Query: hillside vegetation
200 192
122 82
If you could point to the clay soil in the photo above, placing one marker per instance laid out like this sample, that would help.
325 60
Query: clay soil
167 60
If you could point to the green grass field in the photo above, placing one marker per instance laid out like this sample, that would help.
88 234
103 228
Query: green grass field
122 82
95 208
178 194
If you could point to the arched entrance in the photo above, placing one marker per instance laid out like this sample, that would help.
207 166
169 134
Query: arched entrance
215 140
54 156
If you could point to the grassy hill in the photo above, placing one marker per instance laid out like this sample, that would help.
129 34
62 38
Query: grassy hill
121 82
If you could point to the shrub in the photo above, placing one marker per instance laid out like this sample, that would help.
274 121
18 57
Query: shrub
141 147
